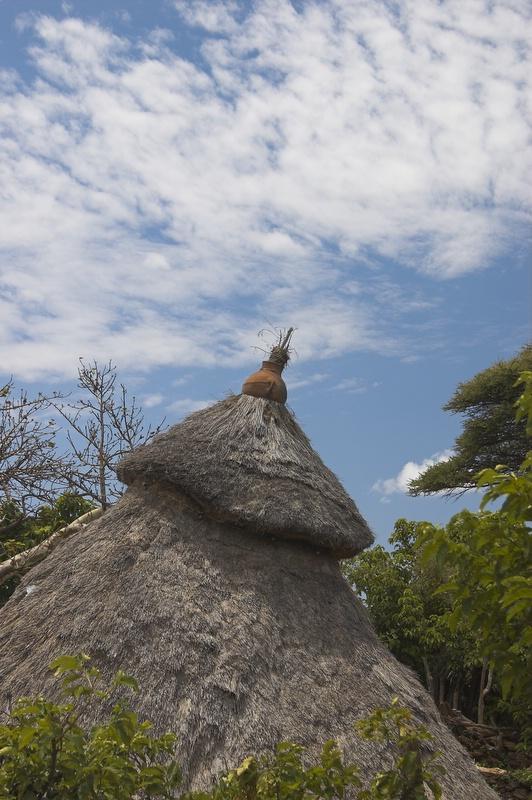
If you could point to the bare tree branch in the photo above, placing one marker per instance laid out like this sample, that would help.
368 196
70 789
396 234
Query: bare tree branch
103 425
31 470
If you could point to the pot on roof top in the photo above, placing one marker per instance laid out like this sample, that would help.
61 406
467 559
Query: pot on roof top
266 382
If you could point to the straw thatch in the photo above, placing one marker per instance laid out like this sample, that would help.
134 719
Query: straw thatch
237 641
238 638
248 462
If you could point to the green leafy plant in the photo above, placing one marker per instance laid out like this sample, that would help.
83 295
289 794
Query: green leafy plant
45 754
282 776
490 569
414 769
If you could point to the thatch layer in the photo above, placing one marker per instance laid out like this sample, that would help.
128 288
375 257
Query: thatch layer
238 641
247 461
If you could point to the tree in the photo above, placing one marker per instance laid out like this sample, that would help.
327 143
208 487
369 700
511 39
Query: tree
490 436
490 571
31 470
43 490
102 426
455 602
401 593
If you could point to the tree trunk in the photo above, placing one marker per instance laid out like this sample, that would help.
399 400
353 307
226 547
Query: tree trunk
101 457
485 688
441 690
428 677
455 702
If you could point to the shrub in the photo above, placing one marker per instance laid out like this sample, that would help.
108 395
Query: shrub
47 754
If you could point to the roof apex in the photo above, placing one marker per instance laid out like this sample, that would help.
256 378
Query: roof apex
246 460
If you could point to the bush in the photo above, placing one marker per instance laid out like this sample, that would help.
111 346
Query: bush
46 754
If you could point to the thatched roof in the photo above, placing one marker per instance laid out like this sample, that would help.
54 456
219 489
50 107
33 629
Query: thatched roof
245 460
238 640
201 583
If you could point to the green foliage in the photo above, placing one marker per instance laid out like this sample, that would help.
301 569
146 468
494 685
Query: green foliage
490 583
413 769
524 776
45 754
282 776
401 593
491 434
524 401
490 569
19 532
24 532
490 578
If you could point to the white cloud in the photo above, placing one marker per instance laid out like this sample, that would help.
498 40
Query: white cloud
411 470
187 406
354 385
298 381
215 17
152 400
144 195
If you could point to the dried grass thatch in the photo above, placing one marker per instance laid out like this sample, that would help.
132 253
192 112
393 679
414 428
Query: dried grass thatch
237 641
248 462
239 638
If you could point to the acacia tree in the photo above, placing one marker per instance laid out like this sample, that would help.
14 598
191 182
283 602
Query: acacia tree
102 426
490 572
491 434
32 472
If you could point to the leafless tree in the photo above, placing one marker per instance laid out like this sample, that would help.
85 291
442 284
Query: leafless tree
103 425
31 470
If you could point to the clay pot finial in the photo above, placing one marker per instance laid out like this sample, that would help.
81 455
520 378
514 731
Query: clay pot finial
267 382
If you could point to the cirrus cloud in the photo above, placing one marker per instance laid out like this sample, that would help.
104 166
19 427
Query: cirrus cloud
156 208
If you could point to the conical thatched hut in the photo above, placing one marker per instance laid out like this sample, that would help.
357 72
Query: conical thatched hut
215 581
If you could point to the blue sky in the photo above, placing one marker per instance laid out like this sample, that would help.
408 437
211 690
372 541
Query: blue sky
177 176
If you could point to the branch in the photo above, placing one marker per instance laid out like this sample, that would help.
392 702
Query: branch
10 526
23 562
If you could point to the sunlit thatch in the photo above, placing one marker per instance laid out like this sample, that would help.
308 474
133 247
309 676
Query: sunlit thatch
215 582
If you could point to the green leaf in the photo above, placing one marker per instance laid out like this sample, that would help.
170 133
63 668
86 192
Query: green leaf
67 663
122 679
